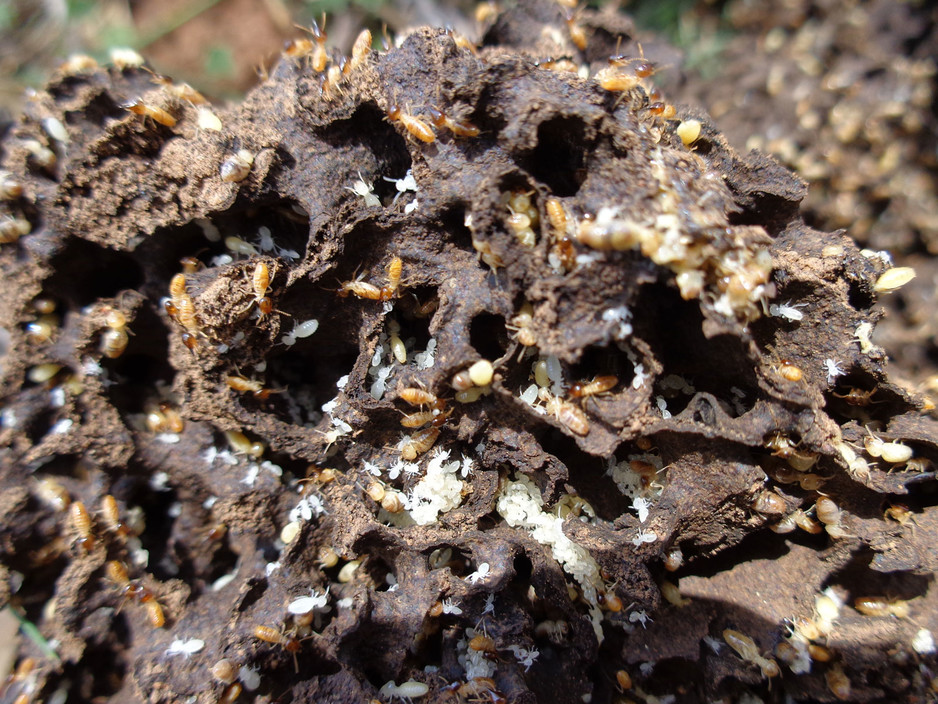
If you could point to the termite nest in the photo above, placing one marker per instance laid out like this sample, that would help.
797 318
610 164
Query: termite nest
453 371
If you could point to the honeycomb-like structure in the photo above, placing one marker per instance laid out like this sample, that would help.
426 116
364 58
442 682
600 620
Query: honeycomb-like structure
449 373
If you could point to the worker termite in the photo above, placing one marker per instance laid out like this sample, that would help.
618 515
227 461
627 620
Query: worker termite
483 644
598 386
746 648
820 653
12 228
459 128
114 339
892 452
461 381
768 502
838 682
486 253
207 120
673 559
608 601
419 443
240 443
181 308
159 115
557 215
472 395
615 80
125 59
827 511
327 557
419 397
53 494
191 265
643 67
857 397
661 109
672 594
81 522
900 514
41 331
419 419
332 77
319 51
44 374
298 48
522 325
576 30
788 371
245 385
53 127
862 337
260 281
567 414
288 641
830 515
10 189
231 693
804 521
237 166
780 444
881 606
117 573
461 41
395 267
623 680
360 50
78 63
110 514
363 289
414 125
182 91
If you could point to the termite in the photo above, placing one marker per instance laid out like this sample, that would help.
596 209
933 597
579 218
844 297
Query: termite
414 125
138 107
360 50
460 128
111 515
260 281
599 385
81 522
244 385
418 397
568 415
419 443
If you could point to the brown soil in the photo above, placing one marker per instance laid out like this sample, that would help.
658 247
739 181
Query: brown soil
714 401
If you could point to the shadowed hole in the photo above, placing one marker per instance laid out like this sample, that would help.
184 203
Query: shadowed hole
559 159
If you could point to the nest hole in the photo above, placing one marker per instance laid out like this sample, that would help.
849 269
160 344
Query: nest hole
86 272
559 160
488 335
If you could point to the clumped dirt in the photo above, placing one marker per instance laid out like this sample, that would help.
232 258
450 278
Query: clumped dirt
575 238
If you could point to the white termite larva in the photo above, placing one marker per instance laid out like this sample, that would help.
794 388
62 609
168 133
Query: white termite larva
300 331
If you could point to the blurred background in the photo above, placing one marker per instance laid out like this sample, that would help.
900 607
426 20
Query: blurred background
217 45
